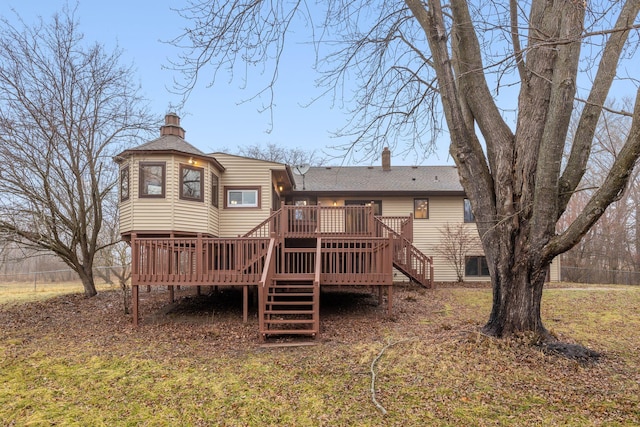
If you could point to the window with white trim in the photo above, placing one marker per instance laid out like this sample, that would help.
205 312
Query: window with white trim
242 198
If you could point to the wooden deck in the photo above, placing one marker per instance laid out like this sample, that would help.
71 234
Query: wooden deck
288 257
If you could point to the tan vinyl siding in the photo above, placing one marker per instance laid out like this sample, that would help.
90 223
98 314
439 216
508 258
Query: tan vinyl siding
427 233
126 216
247 173
152 214
189 215
214 212
169 213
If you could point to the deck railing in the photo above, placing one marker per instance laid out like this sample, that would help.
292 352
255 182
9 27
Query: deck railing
356 247
412 261
356 261
198 261
342 260
312 221
400 225
406 256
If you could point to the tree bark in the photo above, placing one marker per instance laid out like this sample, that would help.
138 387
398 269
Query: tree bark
516 302
88 282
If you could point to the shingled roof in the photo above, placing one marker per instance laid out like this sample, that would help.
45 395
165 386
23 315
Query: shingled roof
372 179
171 141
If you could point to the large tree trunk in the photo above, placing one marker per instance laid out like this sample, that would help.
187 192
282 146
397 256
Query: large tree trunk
516 302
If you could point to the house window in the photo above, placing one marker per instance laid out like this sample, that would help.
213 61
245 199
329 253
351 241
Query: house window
214 190
421 208
152 179
242 197
124 183
476 266
468 213
191 183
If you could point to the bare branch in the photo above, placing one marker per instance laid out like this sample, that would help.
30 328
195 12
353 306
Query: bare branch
68 105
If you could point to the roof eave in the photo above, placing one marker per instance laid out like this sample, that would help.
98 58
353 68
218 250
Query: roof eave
126 153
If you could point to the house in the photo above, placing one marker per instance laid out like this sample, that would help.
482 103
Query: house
283 233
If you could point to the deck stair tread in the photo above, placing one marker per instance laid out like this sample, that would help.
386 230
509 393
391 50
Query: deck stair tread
288 312
292 331
291 306
290 321
290 294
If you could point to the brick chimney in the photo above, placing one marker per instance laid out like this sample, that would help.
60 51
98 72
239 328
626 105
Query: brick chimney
172 126
386 159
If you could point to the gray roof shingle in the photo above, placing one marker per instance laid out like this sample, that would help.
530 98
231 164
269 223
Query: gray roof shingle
370 179
169 143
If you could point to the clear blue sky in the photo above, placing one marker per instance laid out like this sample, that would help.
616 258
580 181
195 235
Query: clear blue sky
214 117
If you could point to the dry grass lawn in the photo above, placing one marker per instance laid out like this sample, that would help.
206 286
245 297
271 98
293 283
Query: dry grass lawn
68 360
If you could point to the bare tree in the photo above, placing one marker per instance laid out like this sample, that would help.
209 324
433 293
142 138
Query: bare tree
115 255
277 153
610 245
456 243
66 107
417 63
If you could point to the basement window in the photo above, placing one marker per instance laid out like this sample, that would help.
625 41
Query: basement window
476 266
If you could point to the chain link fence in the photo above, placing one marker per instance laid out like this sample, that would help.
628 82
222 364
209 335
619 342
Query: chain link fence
595 275
39 280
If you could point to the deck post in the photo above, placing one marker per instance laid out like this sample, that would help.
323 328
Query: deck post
199 257
245 303
431 272
198 290
371 225
284 221
172 293
390 300
408 233
319 221
380 294
135 299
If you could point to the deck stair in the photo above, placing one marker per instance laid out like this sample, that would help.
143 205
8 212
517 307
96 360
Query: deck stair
291 307
408 259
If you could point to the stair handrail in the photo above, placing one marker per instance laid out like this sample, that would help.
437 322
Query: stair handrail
269 263
258 230
414 253
267 277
